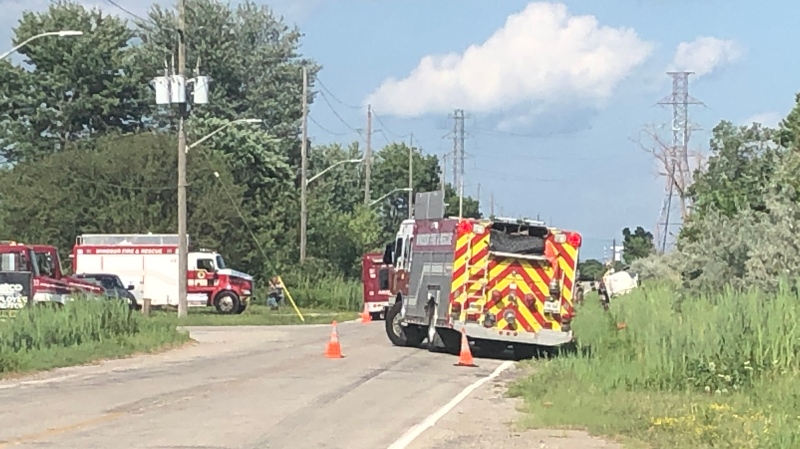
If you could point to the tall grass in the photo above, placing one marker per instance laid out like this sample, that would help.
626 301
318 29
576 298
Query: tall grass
328 293
713 371
46 337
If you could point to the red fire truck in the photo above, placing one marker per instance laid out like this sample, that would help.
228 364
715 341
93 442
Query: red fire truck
376 276
506 282
149 262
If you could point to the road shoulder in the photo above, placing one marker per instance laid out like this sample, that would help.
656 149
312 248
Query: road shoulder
488 419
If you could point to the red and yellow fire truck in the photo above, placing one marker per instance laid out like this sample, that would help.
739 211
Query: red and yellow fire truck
506 282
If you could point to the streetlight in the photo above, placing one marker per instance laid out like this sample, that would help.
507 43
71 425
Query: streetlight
49 33
348 161
304 203
216 131
404 189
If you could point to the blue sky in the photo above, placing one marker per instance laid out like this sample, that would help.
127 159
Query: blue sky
553 99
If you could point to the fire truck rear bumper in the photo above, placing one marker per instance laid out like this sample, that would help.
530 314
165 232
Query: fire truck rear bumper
376 306
544 337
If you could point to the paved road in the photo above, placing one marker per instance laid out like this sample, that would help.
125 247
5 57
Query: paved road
242 387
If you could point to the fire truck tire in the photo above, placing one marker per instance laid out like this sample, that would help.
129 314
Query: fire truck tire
242 308
411 335
227 303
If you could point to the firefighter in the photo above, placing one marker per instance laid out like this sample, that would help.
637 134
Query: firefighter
275 295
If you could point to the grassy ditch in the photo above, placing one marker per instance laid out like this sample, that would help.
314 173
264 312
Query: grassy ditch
713 372
82 331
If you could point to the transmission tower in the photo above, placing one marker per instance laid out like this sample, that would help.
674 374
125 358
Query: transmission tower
676 156
458 147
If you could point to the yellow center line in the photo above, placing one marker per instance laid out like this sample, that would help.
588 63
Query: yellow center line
59 430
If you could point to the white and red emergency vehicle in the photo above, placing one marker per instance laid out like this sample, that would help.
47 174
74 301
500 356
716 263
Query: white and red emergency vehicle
149 262
376 277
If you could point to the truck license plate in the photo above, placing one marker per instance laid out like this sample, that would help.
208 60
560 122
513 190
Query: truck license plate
552 307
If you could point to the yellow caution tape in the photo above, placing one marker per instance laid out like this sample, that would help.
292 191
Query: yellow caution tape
289 295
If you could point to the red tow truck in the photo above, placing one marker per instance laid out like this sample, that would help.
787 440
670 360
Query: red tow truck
19 258
50 265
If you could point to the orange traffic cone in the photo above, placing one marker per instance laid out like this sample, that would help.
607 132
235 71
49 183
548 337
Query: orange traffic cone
334 349
365 315
465 358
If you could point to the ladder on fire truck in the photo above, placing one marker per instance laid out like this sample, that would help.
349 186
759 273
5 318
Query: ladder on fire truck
468 290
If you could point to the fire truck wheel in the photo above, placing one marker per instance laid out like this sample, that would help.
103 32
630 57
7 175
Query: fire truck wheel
411 335
227 303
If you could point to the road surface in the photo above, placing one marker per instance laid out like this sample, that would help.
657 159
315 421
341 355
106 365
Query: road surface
243 387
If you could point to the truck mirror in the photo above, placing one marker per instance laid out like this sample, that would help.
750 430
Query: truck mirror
131 287
388 257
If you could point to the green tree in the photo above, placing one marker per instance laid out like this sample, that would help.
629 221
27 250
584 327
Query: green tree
390 175
119 184
471 208
636 244
256 69
75 87
591 269
738 171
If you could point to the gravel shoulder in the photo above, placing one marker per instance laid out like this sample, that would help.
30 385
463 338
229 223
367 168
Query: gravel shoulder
488 419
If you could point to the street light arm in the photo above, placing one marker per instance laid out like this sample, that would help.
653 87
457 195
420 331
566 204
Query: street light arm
33 38
220 129
347 161
404 189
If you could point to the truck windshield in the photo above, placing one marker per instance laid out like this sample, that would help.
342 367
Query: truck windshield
16 260
220 262
46 264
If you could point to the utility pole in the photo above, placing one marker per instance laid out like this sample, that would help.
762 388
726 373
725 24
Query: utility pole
479 196
411 177
304 170
183 240
613 252
668 208
368 156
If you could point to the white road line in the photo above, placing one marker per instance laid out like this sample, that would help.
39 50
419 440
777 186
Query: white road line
431 420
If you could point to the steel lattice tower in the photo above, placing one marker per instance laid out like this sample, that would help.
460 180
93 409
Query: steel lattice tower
677 160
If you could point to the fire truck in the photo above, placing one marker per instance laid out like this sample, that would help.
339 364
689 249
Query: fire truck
376 276
149 262
22 281
506 282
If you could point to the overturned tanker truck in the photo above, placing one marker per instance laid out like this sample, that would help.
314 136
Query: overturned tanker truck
506 282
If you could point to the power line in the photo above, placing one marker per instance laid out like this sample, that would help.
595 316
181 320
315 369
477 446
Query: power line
127 11
344 122
325 88
384 127
334 133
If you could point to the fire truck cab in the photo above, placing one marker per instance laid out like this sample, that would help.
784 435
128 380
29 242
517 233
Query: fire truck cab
505 282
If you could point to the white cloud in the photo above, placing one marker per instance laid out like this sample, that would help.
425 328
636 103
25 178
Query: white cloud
705 54
542 54
768 119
